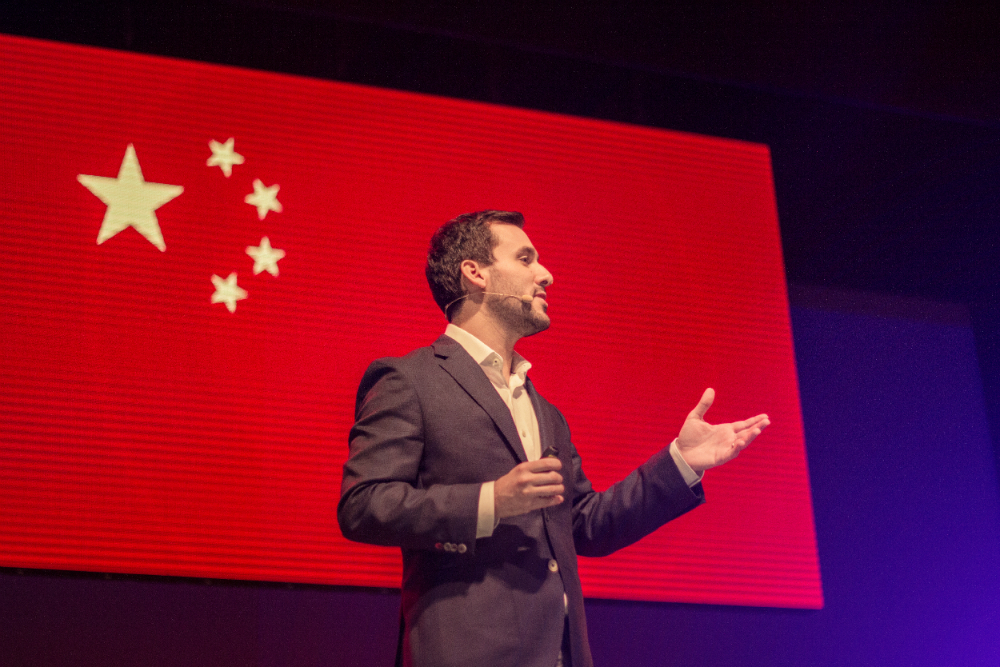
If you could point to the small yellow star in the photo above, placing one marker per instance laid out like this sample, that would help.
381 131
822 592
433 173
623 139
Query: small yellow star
265 258
227 291
223 156
265 198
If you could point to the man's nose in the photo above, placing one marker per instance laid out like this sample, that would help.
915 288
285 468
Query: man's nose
547 278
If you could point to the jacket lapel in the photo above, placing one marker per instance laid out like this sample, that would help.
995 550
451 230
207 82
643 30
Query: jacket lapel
545 435
463 368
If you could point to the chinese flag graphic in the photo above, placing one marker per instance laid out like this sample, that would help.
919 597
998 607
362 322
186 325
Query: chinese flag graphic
201 261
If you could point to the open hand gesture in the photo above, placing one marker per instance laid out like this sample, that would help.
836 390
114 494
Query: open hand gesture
705 446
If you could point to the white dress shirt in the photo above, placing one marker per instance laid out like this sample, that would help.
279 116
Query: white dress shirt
515 396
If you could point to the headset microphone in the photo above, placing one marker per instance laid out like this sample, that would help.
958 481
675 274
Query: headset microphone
523 298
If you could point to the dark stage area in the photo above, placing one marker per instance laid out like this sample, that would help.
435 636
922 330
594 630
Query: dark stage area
884 130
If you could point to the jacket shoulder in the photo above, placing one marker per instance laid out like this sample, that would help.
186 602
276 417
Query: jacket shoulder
418 359
410 366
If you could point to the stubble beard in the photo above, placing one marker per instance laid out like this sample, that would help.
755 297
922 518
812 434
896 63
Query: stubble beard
514 315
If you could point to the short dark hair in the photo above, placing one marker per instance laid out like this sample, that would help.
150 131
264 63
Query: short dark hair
466 237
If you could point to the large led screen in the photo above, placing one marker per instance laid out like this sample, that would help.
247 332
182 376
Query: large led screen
200 262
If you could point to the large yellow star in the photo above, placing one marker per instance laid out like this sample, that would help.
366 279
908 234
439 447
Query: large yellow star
131 200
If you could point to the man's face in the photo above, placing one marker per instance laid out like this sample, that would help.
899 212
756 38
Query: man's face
516 271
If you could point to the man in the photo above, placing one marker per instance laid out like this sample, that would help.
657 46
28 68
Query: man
455 458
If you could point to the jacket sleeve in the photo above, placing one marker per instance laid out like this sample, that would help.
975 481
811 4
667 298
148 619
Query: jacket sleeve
651 495
382 498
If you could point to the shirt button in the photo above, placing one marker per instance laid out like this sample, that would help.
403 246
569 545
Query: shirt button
553 565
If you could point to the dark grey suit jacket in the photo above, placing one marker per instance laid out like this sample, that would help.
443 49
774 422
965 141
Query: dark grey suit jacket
430 429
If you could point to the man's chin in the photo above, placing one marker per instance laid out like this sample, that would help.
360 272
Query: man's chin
537 324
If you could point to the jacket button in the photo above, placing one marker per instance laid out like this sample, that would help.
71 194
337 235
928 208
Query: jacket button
553 565
462 548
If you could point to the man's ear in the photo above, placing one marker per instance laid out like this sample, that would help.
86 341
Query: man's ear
472 272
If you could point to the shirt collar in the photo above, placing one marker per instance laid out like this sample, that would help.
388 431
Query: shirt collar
482 353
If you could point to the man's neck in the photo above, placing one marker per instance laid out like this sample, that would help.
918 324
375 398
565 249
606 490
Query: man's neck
496 337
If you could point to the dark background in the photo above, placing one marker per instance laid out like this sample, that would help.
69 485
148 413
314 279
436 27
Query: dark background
884 127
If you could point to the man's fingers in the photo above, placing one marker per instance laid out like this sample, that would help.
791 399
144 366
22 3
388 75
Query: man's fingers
544 464
743 440
751 423
549 490
542 472
753 434
547 479
704 404
522 490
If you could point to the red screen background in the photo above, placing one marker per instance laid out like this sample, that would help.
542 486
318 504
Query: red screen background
146 429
